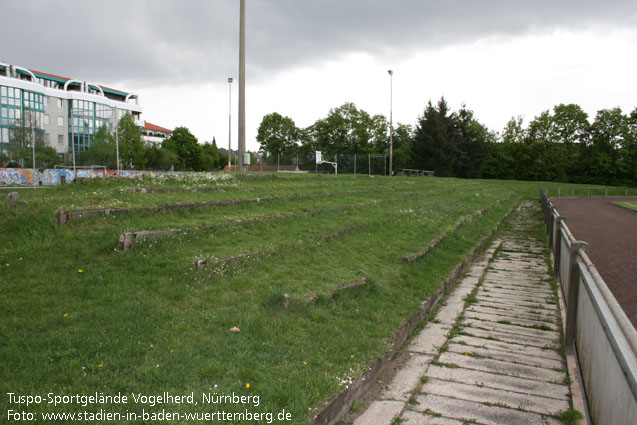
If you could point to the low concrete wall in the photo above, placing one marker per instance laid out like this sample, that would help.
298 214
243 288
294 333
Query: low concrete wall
596 327
27 176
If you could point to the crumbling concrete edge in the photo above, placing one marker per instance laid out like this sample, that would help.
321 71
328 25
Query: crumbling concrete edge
338 407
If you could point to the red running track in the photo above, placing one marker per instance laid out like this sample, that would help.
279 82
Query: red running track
611 233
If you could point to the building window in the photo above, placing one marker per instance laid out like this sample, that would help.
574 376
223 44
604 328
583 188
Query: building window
45 119
60 122
59 103
46 101
60 139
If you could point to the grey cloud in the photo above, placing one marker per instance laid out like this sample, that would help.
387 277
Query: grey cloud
151 42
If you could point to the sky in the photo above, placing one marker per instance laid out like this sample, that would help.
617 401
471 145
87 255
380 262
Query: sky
502 58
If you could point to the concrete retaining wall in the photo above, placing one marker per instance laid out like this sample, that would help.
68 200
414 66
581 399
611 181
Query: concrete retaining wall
596 328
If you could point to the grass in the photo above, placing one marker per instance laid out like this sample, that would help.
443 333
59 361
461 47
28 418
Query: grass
631 205
79 316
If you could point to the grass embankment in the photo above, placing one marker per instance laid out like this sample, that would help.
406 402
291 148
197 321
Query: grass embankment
78 316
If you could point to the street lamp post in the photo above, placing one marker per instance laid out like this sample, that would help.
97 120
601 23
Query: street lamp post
116 140
229 123
242 85
391 123
73 138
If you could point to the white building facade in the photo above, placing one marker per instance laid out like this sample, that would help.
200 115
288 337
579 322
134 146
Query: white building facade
64 113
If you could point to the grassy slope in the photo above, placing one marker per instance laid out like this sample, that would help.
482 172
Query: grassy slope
148 321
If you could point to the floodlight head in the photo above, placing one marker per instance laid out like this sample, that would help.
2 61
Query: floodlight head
319 157
390 72
230 80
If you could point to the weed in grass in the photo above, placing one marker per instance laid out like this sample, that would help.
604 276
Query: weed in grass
570 417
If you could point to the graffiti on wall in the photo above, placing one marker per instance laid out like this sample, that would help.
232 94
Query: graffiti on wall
27 176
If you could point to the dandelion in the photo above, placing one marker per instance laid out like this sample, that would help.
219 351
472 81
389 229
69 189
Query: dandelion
248 386
304 363
66 315
80 271
100 365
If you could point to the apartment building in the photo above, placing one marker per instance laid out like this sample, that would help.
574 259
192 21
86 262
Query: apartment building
62 112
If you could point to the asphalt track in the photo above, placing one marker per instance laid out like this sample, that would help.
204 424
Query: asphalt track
611 232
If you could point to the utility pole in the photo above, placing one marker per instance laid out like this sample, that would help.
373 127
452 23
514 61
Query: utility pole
242 85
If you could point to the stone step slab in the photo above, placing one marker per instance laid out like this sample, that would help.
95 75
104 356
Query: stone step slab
467 411
528 350
521 340
495 318
512 313
482 394
505 368
513 330
505 356
501 382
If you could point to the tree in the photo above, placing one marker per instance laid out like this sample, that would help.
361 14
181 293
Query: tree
185 145
278 134
131 146
348 130
209 156
610 134
433 147
102 150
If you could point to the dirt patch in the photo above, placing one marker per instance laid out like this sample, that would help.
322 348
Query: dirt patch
611 232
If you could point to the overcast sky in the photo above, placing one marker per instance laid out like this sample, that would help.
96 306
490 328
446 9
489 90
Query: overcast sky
502 58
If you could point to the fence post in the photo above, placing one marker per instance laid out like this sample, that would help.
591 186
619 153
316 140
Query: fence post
605 192
559 192
354 164
573 292
278 157
588 192
557 249
369 160
573 192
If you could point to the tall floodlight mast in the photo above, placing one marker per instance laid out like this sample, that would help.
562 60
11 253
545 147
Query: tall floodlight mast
242 85
391 122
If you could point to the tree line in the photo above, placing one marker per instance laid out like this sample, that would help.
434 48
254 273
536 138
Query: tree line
558 145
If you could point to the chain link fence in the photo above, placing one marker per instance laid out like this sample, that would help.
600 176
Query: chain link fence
370 164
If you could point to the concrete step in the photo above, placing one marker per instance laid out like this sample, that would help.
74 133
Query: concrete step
501 382
482 394
505 356
466 411
521 340
505 368
495 318
507 347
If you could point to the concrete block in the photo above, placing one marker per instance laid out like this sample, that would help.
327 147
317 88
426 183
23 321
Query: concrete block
507 347
506 368
516 321
430 339
548 336
380 413
466 411
501 382
12 199
417 418
522 340
484 394
407 379
506 356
